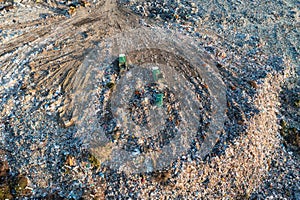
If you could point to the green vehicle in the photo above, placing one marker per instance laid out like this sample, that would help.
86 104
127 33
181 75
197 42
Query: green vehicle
156 73
159 99
122 63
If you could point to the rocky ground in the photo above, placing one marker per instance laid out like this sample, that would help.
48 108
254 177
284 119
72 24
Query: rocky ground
253 44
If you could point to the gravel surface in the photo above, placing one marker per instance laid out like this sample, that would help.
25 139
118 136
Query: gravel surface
254 46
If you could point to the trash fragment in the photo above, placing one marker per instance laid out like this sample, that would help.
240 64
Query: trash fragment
84 3
71 10
70 161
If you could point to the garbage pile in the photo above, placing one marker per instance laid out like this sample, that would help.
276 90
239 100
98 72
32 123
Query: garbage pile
145 106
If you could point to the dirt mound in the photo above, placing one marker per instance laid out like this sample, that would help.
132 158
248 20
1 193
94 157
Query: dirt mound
188 71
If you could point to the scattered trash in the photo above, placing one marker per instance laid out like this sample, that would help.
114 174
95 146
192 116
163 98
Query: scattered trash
70 161
94 161
84 3
55 178
110 85
7 8
71 10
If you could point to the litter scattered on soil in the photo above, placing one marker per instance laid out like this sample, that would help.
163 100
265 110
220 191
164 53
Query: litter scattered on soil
46 48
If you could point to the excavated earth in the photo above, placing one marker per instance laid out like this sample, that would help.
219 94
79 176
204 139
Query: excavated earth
46 50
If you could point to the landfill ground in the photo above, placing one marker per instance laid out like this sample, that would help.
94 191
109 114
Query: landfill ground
227 108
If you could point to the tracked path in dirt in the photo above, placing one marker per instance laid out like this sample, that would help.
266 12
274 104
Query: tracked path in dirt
58 45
